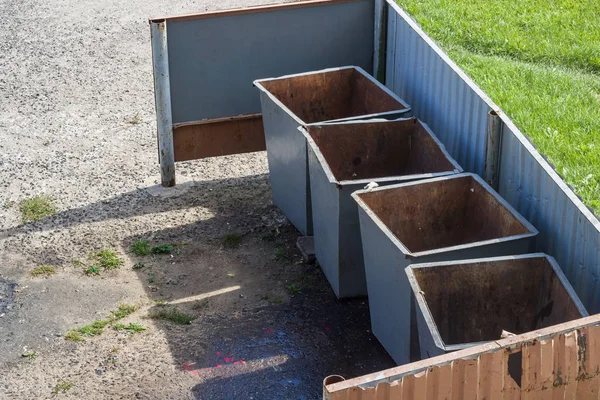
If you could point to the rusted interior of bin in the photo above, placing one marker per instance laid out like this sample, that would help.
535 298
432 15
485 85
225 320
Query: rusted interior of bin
379 149
443 213
331 95
475 302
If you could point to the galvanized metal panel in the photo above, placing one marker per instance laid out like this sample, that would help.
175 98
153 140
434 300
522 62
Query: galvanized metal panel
456 109
213 61
418 72
561 361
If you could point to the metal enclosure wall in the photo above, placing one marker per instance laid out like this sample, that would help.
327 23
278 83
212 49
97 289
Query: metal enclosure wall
560 362
214 58
443 96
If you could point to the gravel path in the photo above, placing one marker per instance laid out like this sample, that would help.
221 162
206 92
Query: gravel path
77 124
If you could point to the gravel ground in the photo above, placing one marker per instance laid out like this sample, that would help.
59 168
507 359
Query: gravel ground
77 124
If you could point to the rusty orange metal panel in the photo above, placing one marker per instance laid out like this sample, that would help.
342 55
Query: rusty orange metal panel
218 137
559 362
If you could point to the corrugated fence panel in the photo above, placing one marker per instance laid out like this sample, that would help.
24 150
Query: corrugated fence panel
419 73
568 230
454 107
214 60
562 361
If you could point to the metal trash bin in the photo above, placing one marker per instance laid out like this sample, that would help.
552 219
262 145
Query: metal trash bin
464 303
287 102
344 157
448 218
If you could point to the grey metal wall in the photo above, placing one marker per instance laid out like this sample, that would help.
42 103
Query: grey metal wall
213 61
454 107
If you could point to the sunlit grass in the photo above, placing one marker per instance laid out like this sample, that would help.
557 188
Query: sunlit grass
540 62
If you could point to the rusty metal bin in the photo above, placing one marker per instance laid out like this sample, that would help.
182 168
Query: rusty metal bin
344 157
464 303
287 102
440 219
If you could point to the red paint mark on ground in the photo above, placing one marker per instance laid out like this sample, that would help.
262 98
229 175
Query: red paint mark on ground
218 365
228 359
218 353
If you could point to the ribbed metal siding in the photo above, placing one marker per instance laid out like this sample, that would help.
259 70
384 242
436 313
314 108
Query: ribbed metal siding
558 362
419 73
456 109
568 230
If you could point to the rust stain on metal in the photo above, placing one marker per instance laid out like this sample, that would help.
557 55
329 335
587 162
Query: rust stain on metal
218 137
561 361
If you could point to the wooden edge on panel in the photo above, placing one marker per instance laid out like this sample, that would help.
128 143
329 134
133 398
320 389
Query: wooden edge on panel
218 137
249 10
394 374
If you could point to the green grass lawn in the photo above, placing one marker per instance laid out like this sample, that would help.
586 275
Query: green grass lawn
540 62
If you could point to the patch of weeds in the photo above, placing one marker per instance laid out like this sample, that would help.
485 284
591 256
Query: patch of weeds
107 259
281 254
173 315
231 240
162 249
151 277
294 289
62 386
161 303
36 208
124 310
77 263
92 270
43 271
264 297
139 265
135 120
131 328
95 328
140 247
275 301
74 336
32 355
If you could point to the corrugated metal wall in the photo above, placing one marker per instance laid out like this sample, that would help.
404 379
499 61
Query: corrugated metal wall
561 362
454 107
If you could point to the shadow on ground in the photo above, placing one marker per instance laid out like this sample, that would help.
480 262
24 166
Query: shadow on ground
267 326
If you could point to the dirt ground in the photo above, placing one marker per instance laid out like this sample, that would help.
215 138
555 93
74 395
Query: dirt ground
77 124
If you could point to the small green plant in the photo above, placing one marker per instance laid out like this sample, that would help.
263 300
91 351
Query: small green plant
131 328
173 315
62 386
92 270
161 303
135 120
107 259
124 310
43 271
231 240
36 208
276 301
74 336
140 247
139 265
200 306
151 277
294 289
32 355
162 249
281 254
95 328
264 297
